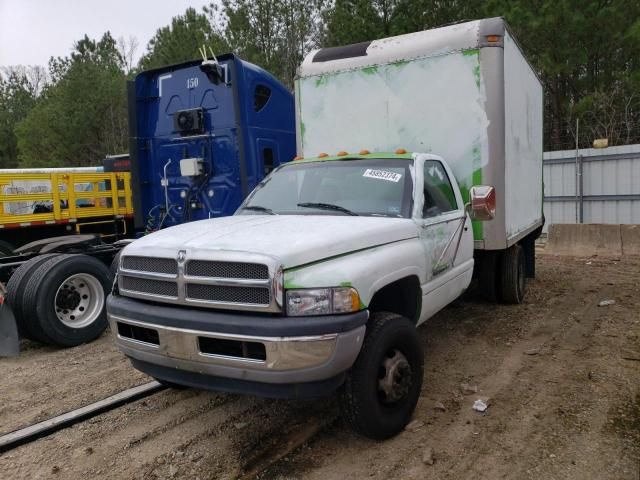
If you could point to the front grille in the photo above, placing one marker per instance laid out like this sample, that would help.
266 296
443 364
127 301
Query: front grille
217 293
249 271
150 264
152 287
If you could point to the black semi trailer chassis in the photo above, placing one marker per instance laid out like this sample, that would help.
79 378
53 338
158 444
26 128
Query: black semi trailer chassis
53 291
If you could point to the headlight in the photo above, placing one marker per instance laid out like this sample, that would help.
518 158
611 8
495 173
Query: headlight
322 301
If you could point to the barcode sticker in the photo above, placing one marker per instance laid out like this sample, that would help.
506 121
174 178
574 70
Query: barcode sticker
382 175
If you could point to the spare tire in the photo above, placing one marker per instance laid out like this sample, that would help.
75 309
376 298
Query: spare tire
66 297
15 292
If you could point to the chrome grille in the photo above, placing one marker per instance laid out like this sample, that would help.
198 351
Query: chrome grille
150 264
227 294
249 271
230 283
151 287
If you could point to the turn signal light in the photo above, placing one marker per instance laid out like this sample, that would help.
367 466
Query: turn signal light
493 38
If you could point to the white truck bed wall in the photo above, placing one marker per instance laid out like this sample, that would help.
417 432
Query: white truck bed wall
439 91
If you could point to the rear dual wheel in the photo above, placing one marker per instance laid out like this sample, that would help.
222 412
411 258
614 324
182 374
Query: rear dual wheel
502 275
62 299
15 292
513 272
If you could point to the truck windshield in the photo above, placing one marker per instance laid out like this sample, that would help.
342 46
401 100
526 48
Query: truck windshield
373 187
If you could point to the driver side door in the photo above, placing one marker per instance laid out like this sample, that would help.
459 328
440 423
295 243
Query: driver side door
442 224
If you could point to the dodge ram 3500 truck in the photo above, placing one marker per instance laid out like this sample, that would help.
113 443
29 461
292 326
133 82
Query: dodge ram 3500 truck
319 280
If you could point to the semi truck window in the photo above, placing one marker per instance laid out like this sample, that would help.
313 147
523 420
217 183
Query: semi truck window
260 97
438 192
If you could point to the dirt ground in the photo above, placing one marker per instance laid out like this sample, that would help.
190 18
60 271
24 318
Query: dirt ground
562 375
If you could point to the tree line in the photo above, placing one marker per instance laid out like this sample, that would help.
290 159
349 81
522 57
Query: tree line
587 53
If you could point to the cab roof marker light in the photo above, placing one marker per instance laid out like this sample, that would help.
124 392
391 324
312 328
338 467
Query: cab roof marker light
364 152
401 151
341 153
322 155
298 157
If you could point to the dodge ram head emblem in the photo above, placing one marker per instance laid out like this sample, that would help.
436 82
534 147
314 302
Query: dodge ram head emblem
182 255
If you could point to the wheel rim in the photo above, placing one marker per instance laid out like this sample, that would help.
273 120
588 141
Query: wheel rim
394 378
79 300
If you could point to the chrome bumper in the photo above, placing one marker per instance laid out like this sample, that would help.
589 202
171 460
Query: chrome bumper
296 359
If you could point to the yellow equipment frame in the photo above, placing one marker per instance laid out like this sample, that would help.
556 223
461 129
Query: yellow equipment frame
109 195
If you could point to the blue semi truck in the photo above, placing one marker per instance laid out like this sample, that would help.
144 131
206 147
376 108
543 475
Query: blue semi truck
203 134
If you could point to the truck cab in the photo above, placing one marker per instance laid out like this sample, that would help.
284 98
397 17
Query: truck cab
202 135
318 281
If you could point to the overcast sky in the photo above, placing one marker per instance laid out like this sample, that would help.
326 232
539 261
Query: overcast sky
31 31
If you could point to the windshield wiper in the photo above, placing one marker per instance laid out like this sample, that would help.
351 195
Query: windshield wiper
258 208
327 206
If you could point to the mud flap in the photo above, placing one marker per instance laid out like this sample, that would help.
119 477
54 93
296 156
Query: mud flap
9 339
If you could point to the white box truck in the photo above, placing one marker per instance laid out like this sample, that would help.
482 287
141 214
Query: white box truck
319 280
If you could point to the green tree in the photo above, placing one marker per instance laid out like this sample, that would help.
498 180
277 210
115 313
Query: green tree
588 55
180 41
274 34
352 21
82 116
19 88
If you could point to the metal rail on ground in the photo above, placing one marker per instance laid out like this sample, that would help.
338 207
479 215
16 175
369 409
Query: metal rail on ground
54 424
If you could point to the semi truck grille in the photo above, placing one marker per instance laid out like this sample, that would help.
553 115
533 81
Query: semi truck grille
151 287
249 271
226 294
210 283
150 264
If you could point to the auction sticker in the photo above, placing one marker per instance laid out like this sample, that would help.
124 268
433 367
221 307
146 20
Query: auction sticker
382 175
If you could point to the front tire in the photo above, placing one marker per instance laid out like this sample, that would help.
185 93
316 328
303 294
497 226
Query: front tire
382 388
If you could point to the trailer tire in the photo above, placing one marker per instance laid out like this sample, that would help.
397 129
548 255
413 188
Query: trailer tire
381 390
15 291
513 281
66 295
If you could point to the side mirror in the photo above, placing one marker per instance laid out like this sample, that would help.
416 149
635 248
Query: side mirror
482 202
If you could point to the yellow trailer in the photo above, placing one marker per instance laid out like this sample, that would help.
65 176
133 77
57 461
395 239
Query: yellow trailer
65 201
60 230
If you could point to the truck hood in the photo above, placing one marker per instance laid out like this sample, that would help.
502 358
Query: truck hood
291 239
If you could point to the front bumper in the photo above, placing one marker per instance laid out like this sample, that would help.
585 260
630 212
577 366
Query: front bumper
297 350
